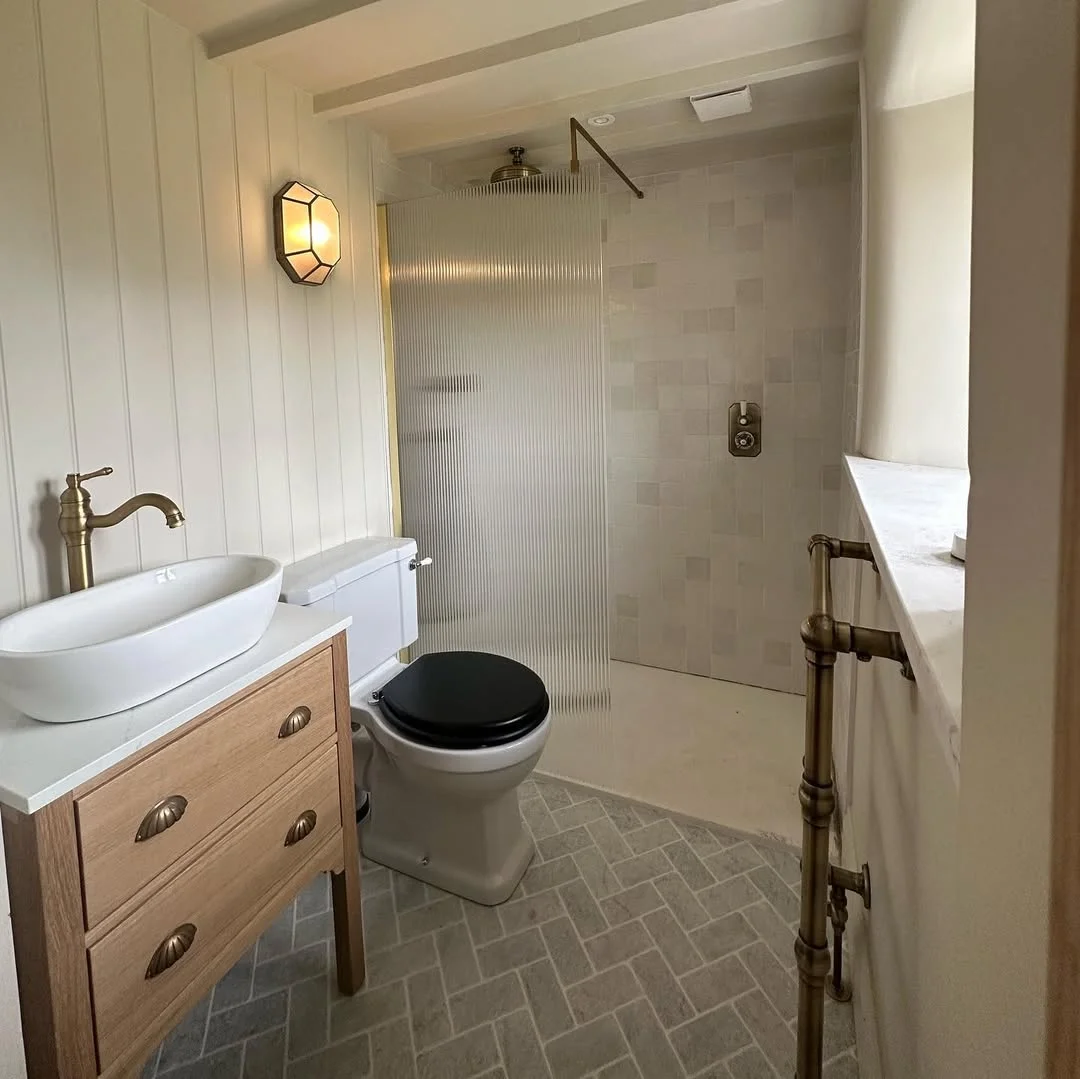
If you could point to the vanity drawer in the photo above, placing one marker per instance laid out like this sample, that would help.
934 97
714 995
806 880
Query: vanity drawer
208 905
133 827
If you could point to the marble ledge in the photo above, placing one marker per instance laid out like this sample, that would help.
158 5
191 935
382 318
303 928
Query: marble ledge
40 762
910 513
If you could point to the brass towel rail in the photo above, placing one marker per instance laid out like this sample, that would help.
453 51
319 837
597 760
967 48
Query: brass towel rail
824 638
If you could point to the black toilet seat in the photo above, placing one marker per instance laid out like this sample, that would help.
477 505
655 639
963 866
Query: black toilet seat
464 700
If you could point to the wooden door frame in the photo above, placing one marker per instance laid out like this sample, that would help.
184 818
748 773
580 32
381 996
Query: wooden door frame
1063 966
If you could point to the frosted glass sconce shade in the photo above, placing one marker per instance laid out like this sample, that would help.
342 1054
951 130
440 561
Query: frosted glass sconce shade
307 236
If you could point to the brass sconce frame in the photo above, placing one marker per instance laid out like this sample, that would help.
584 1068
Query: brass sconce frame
307 233
825 886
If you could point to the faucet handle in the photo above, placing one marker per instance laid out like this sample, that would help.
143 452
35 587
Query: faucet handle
75 479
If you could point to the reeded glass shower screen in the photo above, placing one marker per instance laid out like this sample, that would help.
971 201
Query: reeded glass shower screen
497 308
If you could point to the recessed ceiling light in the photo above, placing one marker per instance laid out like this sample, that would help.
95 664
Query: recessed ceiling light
601 119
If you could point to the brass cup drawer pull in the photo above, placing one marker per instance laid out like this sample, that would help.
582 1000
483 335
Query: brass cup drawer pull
162 817
295 721
302 827
171 950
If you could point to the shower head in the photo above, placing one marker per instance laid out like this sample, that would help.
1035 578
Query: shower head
516 170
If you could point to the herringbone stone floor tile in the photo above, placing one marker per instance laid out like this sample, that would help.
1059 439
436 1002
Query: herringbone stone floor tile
640 945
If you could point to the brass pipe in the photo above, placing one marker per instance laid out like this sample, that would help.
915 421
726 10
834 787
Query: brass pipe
575 163
836 987
817 798
824 638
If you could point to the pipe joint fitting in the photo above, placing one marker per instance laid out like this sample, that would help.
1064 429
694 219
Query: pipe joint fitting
818 803
813 961
818 633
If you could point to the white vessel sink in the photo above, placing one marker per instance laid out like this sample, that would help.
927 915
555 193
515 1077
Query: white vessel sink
116 645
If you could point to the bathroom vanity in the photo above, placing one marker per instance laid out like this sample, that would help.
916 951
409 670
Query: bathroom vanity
147 850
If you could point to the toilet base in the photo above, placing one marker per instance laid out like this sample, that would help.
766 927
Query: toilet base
476 847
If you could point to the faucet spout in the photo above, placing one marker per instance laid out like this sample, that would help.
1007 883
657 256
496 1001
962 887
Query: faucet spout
169 509
77 522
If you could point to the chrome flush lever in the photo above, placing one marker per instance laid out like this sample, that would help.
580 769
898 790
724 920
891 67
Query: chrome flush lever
416 563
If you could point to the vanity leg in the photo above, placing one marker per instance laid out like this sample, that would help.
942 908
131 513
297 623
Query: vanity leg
50 941
345 885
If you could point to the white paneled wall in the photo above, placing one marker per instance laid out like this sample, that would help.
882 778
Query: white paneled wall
144 323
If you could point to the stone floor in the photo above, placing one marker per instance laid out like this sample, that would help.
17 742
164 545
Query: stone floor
640 945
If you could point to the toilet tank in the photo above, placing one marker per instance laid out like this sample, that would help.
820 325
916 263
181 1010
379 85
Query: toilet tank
372 580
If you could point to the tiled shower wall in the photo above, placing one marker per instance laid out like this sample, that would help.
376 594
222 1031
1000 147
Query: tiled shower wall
728 282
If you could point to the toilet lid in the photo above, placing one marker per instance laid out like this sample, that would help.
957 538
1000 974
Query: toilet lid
465 700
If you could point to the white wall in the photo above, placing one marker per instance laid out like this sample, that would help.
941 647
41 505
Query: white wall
144 323
400 178
919 71
915 370
899 799
1023 219
953 956
919 51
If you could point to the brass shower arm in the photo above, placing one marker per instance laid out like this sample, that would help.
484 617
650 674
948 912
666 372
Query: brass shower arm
575 163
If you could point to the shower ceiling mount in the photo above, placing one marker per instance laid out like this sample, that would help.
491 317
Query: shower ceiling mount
577 128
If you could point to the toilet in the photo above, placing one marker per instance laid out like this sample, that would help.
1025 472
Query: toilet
441 744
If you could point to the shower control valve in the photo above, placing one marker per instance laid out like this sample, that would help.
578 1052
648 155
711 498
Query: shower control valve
744 429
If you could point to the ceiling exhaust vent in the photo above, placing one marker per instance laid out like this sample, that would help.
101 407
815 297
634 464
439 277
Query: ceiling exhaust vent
723 103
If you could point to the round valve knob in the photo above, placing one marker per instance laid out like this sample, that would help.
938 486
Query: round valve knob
744 440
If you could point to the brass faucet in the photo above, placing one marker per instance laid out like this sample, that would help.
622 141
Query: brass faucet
77 522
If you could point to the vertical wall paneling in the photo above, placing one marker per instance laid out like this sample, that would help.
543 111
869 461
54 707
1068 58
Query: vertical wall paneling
144 323
172 57
11 590
260 289
369 328
282 124
31 319
232 366
314 147
84 217
144 318
347 375
83 209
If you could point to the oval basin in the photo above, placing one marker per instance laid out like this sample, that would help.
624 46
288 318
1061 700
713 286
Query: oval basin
119 644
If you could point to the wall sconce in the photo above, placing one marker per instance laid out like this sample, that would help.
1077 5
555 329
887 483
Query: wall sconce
306 233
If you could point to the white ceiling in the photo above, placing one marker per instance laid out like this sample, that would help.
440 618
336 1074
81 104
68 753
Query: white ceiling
461 79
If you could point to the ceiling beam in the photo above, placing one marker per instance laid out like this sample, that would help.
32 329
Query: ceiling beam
363 96
761 67
245 34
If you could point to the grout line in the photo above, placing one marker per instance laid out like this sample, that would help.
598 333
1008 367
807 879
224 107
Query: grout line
208 291
16 509
164 256
50 179
243 255
110 201
548 958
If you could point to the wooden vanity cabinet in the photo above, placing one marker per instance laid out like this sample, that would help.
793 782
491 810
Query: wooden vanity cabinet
135 893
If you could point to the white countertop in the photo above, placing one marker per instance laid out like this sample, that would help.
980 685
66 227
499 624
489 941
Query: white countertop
911 513
40 762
